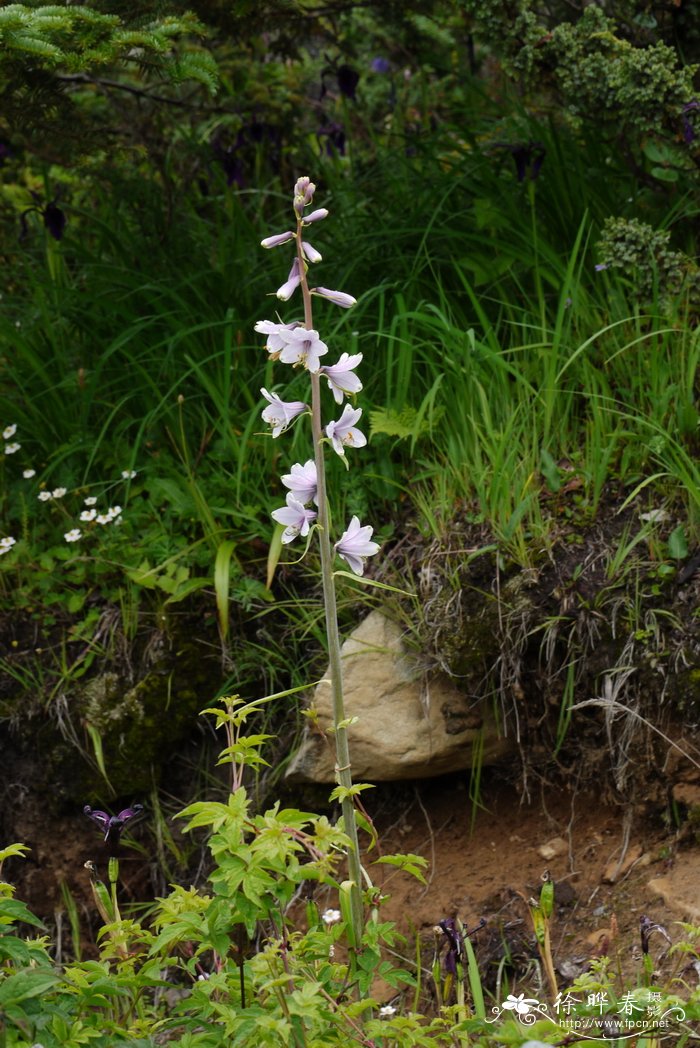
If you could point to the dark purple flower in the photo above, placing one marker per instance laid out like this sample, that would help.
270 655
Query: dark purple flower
688 128
528 158
455 945
54 219
335 139
112 824
380 65
348 79
646 927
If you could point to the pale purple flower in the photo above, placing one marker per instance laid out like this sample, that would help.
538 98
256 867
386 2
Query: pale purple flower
296 518
355 544
292 282
343 434
275 340
277 239
341 377
280 413
303 194
302 482
310 252
303 346
316 216
600 266
339 297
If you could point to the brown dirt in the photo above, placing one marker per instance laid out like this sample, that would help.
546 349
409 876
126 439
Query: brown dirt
487 868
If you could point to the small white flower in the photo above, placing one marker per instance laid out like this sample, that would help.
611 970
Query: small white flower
103 518
113 512
90 500
6 544
44 496
11 448
73 535
330 916
28 473
9 431
128 474
386 1010
58 493
88 515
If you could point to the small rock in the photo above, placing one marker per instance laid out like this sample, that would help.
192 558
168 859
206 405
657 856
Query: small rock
687 793
551 849
614 870
678 892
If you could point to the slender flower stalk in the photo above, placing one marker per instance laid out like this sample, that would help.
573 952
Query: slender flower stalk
299 345
343 767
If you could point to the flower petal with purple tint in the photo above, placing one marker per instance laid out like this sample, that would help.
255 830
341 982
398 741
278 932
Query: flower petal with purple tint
279 413
291 283
296 518
302 481
341 377
310 253
316 216
277 239
275 341
303 346
338 297
112 824
343 433
355 545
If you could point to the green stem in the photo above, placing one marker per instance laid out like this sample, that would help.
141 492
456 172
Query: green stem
342 749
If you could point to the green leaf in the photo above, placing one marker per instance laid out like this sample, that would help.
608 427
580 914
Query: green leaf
677 543
222 575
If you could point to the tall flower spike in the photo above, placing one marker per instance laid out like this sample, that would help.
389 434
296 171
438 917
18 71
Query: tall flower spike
343 433
355 545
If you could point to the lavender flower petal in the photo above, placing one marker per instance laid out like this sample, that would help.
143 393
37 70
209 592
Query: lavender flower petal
343 433
341 378
295 517
339 297
280 412
355 545
277 239
302 481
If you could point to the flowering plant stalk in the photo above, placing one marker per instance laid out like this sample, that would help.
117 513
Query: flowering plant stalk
299 345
